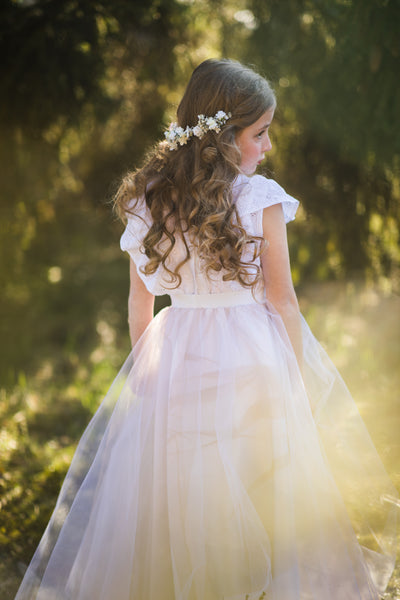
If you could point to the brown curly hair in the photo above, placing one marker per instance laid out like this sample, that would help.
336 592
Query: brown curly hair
189 190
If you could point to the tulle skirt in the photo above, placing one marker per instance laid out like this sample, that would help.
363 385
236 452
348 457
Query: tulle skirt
213 470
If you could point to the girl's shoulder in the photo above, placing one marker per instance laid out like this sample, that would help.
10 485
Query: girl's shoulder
253 194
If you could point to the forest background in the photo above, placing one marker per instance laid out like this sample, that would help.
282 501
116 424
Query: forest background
85 88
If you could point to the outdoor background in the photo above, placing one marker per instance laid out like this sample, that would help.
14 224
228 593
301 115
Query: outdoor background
85 88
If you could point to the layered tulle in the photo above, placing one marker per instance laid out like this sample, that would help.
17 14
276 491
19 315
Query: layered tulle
213 470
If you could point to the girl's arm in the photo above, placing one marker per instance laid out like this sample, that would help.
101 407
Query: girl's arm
278 280
140 305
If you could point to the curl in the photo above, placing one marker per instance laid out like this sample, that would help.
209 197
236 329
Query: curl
188 191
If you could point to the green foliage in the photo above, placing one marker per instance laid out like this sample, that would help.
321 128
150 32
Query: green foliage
61 51
55 62
60 151
335 65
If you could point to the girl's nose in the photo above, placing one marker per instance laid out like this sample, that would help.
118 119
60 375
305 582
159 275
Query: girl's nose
267 145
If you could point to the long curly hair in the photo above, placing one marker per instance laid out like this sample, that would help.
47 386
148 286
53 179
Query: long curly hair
188 191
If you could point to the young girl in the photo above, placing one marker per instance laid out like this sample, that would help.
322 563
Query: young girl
228 460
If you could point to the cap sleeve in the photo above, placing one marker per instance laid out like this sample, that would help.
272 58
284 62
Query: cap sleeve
136 228
257 192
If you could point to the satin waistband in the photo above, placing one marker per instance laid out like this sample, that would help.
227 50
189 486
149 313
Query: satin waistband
212 300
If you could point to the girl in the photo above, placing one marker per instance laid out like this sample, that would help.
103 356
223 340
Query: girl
228 460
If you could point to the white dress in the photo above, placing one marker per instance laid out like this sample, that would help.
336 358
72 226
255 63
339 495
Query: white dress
212 470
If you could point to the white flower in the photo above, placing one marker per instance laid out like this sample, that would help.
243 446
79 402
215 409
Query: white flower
198 132
211 123
177 136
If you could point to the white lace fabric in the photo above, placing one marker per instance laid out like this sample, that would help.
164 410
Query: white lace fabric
251 194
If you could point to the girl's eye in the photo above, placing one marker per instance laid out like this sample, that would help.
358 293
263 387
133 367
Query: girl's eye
259 135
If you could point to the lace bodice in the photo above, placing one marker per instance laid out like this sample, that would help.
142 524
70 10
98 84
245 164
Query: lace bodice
251 194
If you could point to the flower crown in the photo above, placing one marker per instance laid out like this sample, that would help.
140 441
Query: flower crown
177 136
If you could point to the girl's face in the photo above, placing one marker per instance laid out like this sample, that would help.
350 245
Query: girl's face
253 142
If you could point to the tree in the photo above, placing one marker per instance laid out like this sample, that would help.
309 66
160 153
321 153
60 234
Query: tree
336 66
84 81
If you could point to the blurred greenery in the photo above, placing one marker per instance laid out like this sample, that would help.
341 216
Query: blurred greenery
85 88
338 141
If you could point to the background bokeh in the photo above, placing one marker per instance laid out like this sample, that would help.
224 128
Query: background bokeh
85 88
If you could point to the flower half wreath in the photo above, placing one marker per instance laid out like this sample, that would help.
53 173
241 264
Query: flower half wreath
178 136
